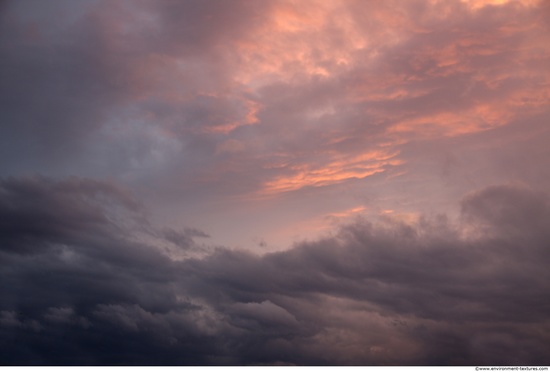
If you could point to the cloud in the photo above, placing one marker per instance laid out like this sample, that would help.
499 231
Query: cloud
266 313
250 117
507 210
36 211
82 232
205 97
57 86
376 293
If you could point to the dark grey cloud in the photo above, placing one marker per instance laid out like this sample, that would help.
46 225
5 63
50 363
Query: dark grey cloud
58 84
66 83
36 211
80 232
82 284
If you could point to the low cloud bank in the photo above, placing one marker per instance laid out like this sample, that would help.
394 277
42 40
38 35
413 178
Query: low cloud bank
88 280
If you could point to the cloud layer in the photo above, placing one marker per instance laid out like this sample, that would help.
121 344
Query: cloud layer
274 182
92 290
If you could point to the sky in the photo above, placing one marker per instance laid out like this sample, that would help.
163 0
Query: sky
275 182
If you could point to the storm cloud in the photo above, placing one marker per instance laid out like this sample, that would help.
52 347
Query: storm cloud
81 288
276 182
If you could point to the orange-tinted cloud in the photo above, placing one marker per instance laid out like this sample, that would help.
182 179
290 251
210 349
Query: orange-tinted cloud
338 170
274 99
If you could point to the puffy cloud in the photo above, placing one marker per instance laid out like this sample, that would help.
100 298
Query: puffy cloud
387 292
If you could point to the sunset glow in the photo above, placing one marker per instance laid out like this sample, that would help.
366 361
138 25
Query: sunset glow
275 182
